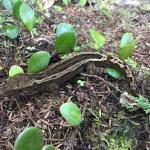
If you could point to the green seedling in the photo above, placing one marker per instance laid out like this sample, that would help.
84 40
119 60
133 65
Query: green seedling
16 9
38 61
7 4
98 38
11 31
65 38
30 138
127 46
71 113
113 72
23 12
14 70
27 16
63 28
81 82
30 48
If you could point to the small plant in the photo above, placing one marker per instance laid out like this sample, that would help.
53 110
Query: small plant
11 31
31 138
14 70
98 38
38 61
16 9
127 46
71 113
65 38
7 4
27 16
21 11
113 72
31 48
81 82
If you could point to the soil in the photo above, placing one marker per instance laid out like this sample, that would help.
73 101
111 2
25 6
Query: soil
105 120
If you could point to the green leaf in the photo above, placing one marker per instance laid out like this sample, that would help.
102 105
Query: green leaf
38 61
144 103
7 4
81 82
131 63
98 38
127 46
11 31
65 42
82 2
30 138
48 147
63 28
16 9
27 16
65 38
71 113
14 70
113 72
66 2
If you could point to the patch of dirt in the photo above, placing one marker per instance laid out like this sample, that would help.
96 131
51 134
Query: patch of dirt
104 117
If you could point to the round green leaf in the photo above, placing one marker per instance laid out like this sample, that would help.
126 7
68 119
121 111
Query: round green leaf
14 70
71 113
30 138
38 61
7 4
127 46
48 147
16 9
27 16
11 31
98 38
65 42
113 72
65 38
63 28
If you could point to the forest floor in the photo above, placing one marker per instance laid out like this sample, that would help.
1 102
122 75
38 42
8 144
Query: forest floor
107 125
